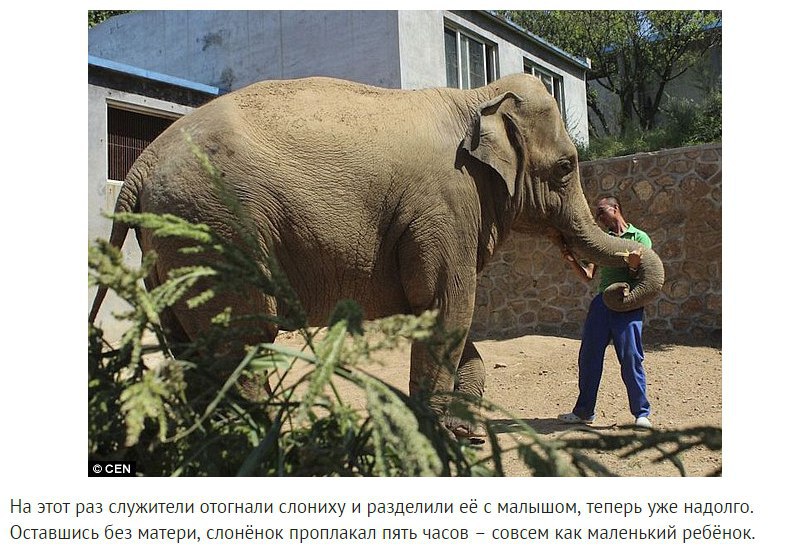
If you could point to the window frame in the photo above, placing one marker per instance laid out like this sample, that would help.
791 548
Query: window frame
557 82
490 58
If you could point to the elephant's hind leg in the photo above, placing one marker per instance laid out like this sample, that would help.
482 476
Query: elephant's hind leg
215 333
240 318
172 328
249 323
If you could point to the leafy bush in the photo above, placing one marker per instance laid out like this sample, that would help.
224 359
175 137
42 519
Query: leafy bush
175 416
707 126
685 123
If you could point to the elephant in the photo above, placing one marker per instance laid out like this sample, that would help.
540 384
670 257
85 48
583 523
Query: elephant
396 199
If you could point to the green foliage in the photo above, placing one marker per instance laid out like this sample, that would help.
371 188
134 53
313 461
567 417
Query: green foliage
274 410
686 123
707 125
94 17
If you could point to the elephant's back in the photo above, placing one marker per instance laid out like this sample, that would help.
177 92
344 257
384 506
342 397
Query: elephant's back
315 140
317 96
338 122
330 114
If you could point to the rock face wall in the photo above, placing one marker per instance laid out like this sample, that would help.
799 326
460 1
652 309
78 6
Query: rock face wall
673 195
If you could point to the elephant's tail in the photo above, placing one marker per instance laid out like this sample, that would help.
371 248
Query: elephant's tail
127 202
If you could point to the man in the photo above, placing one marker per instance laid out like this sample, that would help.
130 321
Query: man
603 325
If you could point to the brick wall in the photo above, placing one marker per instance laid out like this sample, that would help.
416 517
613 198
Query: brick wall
675 196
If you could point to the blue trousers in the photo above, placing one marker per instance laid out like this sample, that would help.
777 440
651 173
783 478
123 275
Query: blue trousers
602 325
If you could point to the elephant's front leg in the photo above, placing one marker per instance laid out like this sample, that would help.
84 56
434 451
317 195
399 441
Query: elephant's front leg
434 376
448 363
438 271
471 374
470 384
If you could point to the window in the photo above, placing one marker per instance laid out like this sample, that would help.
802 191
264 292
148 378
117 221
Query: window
470 61
128 133
554 83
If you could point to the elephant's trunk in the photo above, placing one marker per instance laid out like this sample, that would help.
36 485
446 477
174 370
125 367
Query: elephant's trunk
600 248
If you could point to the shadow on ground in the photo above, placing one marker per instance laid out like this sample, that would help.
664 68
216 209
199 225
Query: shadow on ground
542 426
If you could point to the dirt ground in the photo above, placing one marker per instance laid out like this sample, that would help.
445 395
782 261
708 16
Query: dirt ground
535 378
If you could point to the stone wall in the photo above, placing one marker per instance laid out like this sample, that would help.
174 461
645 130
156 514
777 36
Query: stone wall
675 196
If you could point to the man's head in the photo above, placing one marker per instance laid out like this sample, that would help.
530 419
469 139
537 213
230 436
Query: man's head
608 213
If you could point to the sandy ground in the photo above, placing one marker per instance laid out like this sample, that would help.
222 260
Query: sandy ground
535 378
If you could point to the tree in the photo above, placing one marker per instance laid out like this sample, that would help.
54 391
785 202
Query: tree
94 17
634 54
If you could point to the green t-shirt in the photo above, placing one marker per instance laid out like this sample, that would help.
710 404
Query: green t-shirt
611 275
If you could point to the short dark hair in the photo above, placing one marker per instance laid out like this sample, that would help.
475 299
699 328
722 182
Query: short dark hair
611 200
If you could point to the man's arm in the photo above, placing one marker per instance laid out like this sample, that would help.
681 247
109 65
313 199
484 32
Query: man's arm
633 260
583 271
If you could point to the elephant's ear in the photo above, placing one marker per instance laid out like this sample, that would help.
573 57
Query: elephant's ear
494 138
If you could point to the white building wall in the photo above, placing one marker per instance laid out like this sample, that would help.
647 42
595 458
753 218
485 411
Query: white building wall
576 108
421 49
231 49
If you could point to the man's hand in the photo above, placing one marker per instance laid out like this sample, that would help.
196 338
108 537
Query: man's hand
584 272
633 260
567 254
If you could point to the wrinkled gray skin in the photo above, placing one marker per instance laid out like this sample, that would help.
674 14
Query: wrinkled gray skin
396 199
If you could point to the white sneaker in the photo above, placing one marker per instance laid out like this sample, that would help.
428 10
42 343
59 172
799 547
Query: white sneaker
643 422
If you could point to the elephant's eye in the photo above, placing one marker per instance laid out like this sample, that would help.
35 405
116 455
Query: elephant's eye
563 170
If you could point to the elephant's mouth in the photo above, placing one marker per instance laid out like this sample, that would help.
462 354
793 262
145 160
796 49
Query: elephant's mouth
557 238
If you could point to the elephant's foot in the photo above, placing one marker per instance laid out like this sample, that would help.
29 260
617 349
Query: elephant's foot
253 388
465 429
